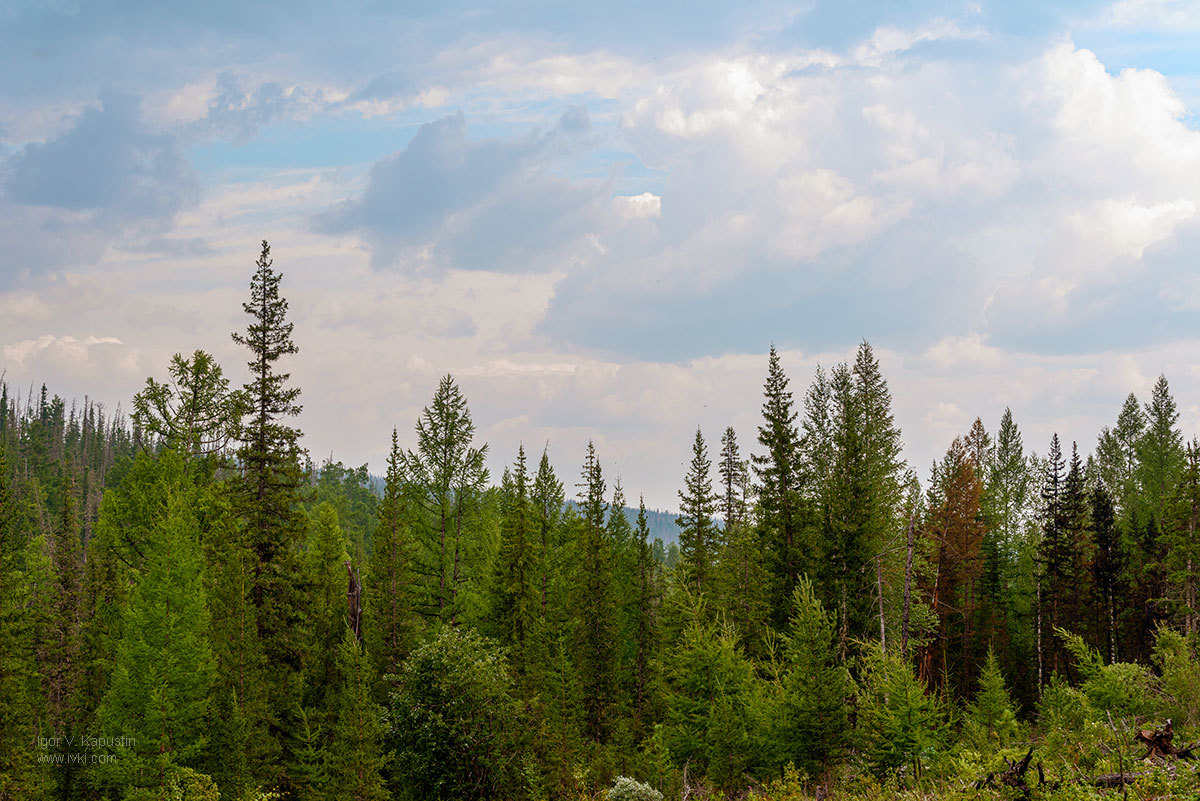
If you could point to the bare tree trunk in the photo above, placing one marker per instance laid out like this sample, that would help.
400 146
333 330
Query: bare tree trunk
879 586
908 561
1041 659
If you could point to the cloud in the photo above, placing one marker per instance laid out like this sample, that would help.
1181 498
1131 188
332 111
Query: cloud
108 165
492 204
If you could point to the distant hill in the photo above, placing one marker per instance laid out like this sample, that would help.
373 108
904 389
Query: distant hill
661 522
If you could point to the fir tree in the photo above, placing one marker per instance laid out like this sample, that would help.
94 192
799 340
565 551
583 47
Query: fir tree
325 562
645 637
992 709
733 505
548 498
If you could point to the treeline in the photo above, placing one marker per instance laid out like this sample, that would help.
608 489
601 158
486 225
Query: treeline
190 608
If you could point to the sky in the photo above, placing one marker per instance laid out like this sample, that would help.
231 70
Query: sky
599 217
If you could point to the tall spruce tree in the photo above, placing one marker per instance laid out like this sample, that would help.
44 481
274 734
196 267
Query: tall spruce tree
19 772
778 470
548 499
268 492
356 756
697 529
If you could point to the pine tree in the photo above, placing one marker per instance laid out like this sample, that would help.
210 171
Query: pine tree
448 475
697 530
356 757
59 662
164 668
780 513
389 592
195 413
1109 565
1054 553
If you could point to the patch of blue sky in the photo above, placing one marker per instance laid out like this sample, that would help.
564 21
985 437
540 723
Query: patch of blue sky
324 142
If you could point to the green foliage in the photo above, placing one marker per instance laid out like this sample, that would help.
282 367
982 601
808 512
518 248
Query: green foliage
164 668
389 591
710 685
1175 656
195 412
356 757
899 724
697 529
455 725
448 476
811 723
992 709
1123 689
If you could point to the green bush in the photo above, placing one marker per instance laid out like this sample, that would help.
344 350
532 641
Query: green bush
455 724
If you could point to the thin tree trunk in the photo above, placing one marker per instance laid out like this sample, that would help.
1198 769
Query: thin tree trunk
879 587
908 561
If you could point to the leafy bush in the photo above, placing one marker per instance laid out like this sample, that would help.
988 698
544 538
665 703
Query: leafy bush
455 723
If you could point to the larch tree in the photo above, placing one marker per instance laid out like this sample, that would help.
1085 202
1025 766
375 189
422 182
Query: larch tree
449 476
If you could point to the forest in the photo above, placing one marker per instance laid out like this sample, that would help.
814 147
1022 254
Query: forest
191 608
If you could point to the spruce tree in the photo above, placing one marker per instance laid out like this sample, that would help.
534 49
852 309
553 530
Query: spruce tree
268 494
515 596
325 561
697 529
812 724
389 586
645 634
732 503
548 499
593 603
19 773
780 515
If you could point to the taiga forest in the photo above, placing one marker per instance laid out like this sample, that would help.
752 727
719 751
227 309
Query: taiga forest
192 608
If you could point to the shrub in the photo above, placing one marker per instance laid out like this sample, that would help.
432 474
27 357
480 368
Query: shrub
627 789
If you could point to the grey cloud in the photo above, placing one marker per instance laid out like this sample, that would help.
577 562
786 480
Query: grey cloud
482 204
107 164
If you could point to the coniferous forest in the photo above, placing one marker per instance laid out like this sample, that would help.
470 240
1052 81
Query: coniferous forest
191 608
